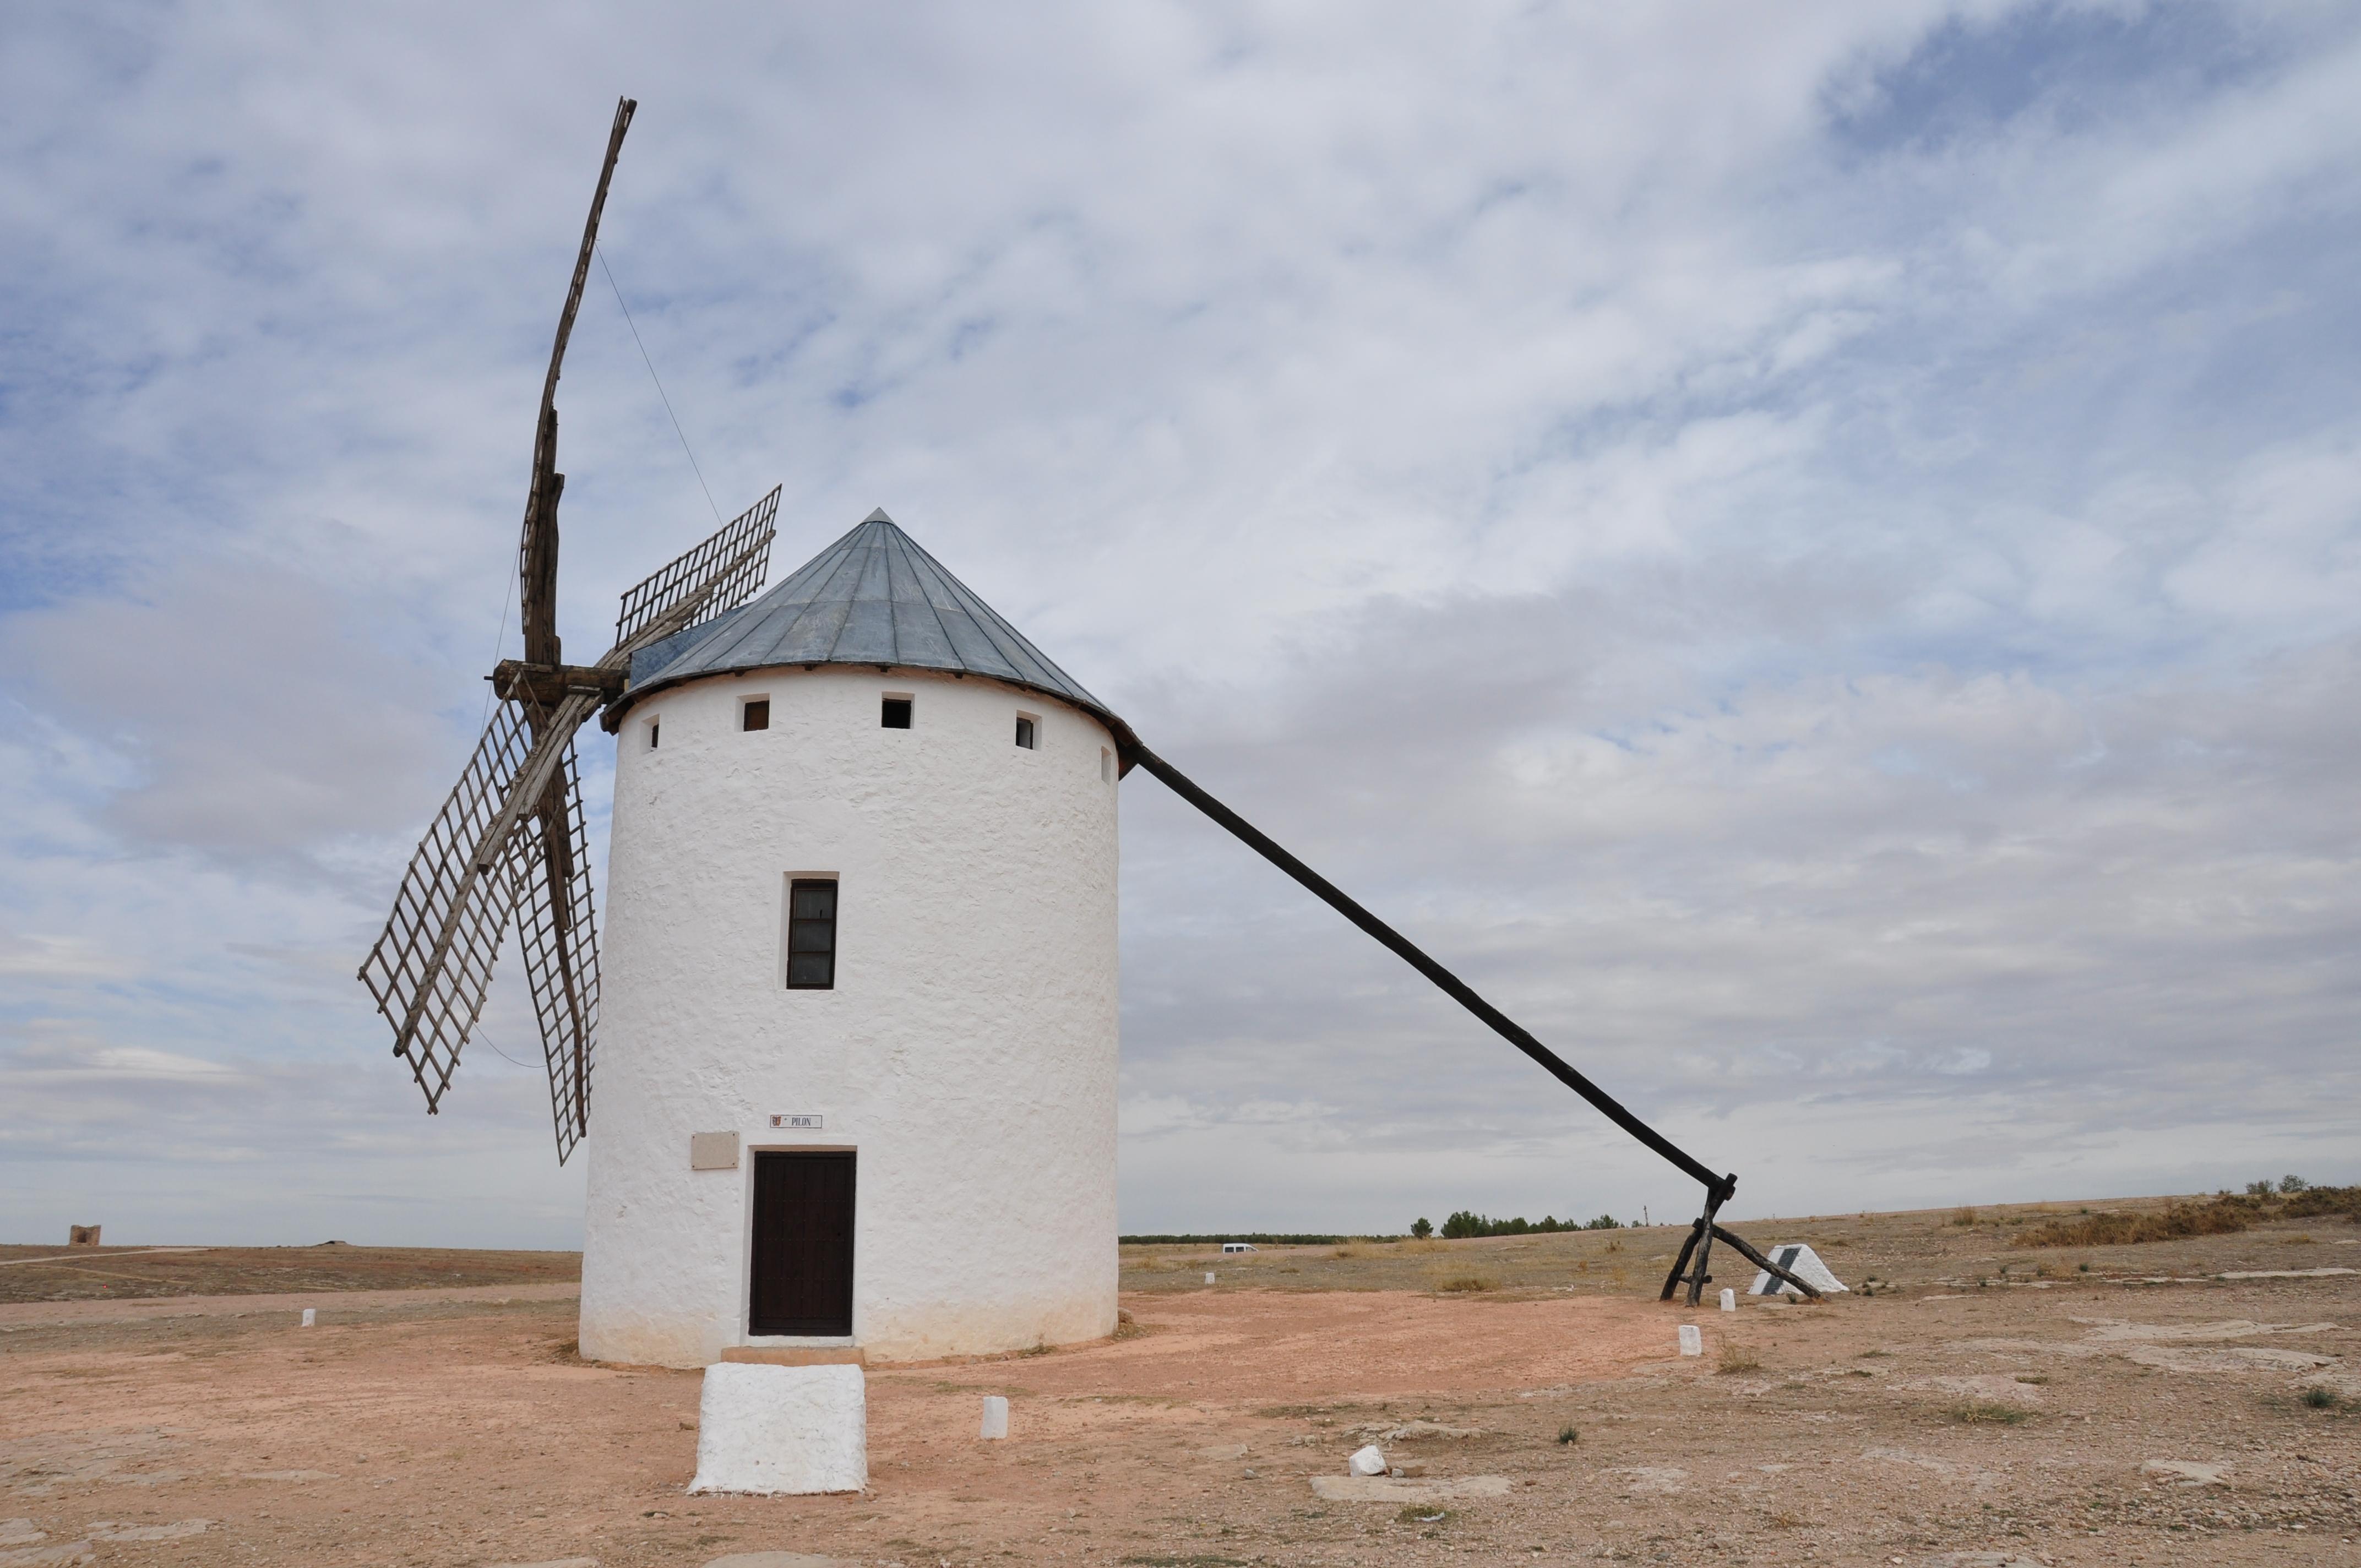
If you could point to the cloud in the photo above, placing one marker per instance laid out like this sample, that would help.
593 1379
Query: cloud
1810 556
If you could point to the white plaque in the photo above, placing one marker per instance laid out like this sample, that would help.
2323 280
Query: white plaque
798 1122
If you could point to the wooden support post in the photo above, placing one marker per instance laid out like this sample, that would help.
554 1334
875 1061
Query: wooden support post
1693 1267
1681 1263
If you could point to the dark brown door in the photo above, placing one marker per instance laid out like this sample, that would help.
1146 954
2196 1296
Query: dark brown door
803 1245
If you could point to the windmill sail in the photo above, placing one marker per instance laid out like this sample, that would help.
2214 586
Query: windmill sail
557 930
720 575
433 962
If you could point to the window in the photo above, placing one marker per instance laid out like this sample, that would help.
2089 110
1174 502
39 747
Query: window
756 713
1027 731
896 714
811 936
656 731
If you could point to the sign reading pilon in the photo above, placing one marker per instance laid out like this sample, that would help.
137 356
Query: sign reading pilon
796 1121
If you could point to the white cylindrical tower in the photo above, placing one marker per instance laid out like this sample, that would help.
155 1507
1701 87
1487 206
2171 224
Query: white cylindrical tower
855 1080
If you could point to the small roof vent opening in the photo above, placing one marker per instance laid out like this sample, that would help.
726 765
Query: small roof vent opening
1026 732
896 714
755 715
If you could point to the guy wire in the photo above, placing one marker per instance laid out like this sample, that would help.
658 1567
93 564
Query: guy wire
659 381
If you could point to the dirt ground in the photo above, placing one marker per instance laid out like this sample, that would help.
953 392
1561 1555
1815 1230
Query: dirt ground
1987 1404
117 1273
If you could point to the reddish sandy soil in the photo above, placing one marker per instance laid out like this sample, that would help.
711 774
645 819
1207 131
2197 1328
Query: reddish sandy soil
1942 1421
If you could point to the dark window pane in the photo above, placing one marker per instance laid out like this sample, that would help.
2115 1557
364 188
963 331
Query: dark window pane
896 714
1025 733
811 935
653 728
758 714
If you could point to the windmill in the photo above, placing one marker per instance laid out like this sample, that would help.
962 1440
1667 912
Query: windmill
511 839
863 853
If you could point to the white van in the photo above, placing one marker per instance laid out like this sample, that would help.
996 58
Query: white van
1240 1246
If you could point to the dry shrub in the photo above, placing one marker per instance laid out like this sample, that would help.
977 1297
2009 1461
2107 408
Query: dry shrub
2221 1217
1963 1218
1466 1284
1988 1412
1737 1358
2317 1200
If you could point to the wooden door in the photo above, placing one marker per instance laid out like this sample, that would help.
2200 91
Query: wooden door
802 1280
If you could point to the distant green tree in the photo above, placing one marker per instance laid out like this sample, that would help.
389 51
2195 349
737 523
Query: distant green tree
1422 1227
2293 1184
1605 1223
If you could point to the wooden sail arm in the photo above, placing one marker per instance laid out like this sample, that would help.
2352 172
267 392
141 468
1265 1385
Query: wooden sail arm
537 550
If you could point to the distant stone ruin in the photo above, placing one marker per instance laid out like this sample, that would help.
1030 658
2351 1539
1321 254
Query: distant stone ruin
81 1235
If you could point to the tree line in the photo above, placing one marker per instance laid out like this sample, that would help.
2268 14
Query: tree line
1468 1222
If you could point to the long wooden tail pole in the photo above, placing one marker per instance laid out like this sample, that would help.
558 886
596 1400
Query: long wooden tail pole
1717 1188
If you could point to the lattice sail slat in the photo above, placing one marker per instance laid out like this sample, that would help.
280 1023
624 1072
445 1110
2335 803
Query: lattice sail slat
432 963
557 929
724 572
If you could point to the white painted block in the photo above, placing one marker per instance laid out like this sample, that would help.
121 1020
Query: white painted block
995 1416
1804 1263
1692 1340
1729 1299
1370 1461
311 1316
770 1429
1209 1277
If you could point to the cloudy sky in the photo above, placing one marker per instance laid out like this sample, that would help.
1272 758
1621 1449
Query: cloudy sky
1813 553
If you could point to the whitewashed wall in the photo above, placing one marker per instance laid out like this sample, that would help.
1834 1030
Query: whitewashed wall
967 1052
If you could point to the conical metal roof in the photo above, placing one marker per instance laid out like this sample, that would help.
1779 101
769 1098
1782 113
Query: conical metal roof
872 597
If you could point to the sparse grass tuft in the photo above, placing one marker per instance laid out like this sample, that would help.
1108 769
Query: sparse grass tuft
1466 1284
1987 1412
1736 1358
2037 1378
2322 1399
1963 1218
1567 1435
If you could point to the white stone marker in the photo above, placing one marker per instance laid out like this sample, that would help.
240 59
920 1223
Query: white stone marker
995 1416
311 1316
1802 1262
1692 1340
1370 1461
1729 1299
772 1430
1209 1277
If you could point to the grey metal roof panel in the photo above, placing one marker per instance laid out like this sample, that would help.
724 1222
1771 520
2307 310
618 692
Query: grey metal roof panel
871 597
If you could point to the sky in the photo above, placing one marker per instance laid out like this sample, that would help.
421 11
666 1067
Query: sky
1812 555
